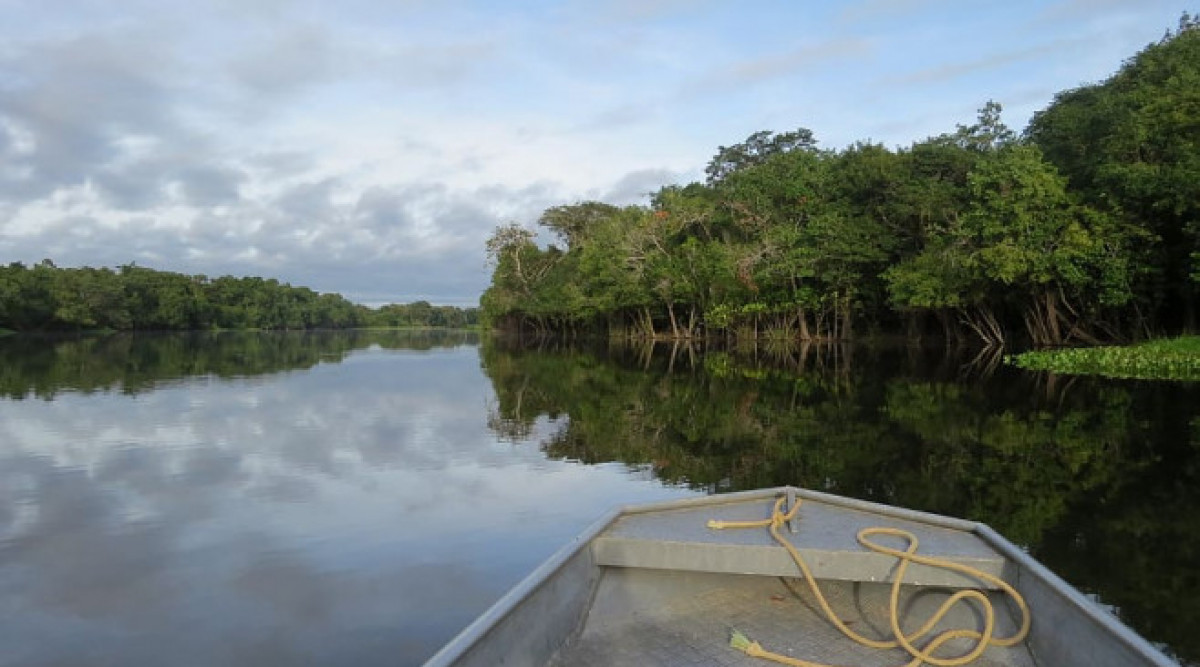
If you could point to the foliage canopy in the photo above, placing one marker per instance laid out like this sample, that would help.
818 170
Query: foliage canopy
1085 228
45 297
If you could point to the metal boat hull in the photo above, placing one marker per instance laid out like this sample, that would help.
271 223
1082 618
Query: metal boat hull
650 585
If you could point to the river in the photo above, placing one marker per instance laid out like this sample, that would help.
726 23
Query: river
356 498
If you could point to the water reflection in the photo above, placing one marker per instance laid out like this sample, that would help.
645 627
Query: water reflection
43 366
351 513
356 498
1099 478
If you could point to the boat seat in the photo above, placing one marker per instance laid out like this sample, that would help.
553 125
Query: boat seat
825 536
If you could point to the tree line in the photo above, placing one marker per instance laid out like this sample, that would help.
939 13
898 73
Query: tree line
1084 228
44 297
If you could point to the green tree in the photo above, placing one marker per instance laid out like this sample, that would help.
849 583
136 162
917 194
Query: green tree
755 150
1067 260
573 223
1088 239
1131 147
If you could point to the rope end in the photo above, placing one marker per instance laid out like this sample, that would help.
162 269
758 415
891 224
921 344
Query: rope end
716 525
739 641
744 644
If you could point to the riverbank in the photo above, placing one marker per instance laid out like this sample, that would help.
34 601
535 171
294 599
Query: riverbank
1164 359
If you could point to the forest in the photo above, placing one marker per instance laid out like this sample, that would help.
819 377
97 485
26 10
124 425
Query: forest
1082 229
44 297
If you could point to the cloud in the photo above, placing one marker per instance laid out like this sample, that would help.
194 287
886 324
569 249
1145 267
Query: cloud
278 164
7 141
383 243
286 61
779 65
418 219
294 58
958 70
309 200
205 185
436 65
636 186
144 183
375 146
78 101
617 117
117 146
99 111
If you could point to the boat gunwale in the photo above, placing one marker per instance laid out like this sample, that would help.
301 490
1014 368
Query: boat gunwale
458 646
498 611
494 615
1090 608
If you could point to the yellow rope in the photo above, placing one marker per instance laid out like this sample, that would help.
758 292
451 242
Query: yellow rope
919 655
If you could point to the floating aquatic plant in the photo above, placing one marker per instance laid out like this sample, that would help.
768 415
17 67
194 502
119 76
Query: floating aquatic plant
1166 359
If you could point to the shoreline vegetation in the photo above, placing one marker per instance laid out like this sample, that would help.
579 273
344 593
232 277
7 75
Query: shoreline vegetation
1082 230
46 298
1165 359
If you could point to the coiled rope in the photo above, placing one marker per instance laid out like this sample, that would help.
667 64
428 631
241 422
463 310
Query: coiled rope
983 639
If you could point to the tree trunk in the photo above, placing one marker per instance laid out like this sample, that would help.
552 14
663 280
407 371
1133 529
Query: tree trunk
983 322
648 324
1052 318
912 326
674 323
847 321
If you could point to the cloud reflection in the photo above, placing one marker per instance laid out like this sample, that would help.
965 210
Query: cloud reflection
357 512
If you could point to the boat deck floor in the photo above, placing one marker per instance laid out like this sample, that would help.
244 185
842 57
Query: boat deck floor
657 617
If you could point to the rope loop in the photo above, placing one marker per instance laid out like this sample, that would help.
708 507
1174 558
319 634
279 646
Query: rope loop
920 655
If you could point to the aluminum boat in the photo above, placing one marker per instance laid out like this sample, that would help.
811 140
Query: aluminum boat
658 585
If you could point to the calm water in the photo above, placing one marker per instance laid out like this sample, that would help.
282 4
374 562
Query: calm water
282 499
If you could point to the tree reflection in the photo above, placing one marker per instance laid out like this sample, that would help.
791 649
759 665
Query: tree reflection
1101 479
43 366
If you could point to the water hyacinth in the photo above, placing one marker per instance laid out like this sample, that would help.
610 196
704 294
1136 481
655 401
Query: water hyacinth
1167 359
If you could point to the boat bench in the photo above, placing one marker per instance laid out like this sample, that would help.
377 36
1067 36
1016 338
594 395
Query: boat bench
824 535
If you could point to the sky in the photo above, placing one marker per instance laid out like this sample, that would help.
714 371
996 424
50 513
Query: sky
370 148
